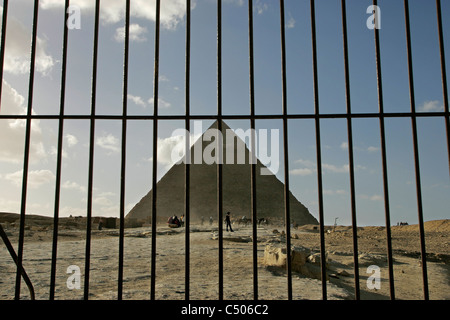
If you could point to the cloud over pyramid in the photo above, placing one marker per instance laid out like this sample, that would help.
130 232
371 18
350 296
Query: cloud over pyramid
236 188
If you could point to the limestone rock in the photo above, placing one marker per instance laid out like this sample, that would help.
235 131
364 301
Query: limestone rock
315 259
299 256
343 273
301 261
274 256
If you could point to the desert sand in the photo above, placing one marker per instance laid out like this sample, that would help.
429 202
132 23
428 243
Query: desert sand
238 262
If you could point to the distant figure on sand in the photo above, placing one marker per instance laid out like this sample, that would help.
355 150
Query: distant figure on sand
228 221
182 220
210 221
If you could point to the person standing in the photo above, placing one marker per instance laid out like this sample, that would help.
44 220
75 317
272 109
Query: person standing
228 221
182 220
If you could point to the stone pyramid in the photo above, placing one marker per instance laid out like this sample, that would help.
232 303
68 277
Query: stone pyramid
236 190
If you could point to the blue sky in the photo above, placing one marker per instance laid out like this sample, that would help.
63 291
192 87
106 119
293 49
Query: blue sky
268 96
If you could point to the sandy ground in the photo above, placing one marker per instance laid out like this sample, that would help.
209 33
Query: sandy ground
238 263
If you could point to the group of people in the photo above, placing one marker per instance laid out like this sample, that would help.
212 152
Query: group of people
174 221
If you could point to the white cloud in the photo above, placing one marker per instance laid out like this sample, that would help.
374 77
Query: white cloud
137 33
12 147
301 172
334 192
163 78
335 169
35 178
17 53
54 152
107 194
370 149
168 146
109 142
260 7
306 163
106 204
310 167
431 106
172 149
290 22
239 3
71 140
161 103
376 197
70 185
9 205
137 100
102 201
113 11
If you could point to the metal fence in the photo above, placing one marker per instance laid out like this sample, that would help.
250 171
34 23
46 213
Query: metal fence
381 115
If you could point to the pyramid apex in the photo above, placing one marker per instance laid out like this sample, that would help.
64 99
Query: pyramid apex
215 125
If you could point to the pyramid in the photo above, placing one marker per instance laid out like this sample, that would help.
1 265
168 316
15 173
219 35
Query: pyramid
236 190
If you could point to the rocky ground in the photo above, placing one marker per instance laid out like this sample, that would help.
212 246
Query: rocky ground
238 262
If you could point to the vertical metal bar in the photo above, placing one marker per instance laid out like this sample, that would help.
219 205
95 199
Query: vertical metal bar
318 152
91 153
416 152
253 150
444 76
59 154
155 149
2 45
220 149
27 149
287 207
124 150
187 180
384 162
350 150
13 255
